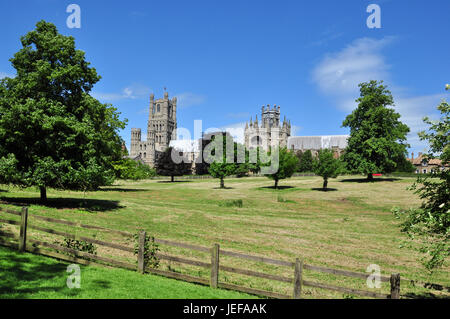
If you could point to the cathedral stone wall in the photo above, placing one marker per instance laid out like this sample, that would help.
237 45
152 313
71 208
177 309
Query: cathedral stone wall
270 132
161 129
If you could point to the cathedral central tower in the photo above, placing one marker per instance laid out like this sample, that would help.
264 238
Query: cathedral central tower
161 129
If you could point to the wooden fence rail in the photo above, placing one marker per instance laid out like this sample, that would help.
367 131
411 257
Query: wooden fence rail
298 266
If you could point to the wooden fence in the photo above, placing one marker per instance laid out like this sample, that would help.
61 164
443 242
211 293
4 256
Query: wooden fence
214 265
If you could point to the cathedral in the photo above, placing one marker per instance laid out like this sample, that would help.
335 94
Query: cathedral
269 132
162 124
161 129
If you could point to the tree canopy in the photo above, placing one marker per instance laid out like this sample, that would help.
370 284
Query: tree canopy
326 166
127 168
431 222
166 166
52 132
287 164
221 154
306 161
377 137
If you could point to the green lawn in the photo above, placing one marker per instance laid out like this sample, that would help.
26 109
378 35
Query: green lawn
24 275
349 227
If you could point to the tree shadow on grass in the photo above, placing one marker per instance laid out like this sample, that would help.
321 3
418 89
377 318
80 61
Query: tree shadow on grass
226 187
125 190
424 295
101 283
324 189
170 182
365 180
92 205
23 270
279 188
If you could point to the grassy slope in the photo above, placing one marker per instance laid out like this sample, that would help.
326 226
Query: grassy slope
30 276
348 228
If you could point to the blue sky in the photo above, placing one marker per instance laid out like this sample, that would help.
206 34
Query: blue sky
225 59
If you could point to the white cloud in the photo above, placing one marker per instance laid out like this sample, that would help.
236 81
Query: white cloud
326 37
338 75
413 110
189 99
5 75
133 91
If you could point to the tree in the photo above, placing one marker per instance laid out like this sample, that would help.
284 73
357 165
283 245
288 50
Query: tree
127 168
251 162
166 166
52 132
404 165
299 155
326 166
431 222
287 164
377 137
221 165
306 162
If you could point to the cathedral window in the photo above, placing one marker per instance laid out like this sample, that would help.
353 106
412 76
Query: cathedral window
158 108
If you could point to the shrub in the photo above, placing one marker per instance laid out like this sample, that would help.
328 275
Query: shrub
129 169
151 248
78 245
230 203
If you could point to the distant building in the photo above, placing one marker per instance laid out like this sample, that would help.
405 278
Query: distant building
424 165
161 129
337 143
270 131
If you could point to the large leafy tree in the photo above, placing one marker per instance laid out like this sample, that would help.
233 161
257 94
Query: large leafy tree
52 132
431 222
377 137
327 166
287 164
166 166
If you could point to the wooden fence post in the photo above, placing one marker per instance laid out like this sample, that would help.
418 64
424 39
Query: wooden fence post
141 251
395 286
215 266
298 272
23 229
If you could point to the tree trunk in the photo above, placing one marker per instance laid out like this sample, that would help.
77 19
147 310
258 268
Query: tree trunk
276 184
370 177
222 183
171 178
43 193
325 184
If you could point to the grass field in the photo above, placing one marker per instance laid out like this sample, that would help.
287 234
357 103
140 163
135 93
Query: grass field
348 227
25 275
